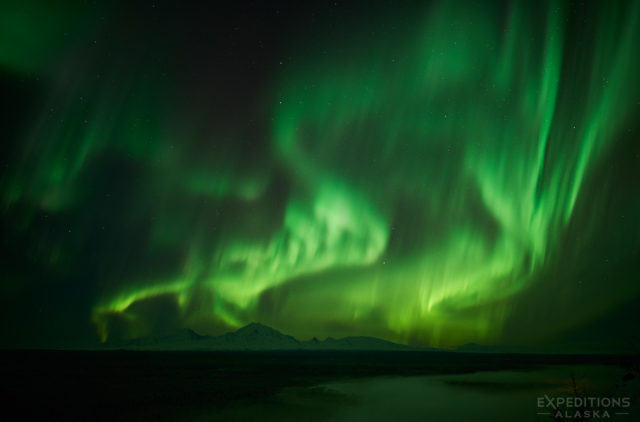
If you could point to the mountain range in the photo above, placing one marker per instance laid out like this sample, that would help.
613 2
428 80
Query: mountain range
255 337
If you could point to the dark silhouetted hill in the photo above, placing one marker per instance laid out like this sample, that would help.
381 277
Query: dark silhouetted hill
254 337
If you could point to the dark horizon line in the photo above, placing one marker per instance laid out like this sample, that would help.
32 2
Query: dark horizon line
458 350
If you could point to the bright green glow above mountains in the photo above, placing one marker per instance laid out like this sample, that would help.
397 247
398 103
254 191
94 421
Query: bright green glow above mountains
415 176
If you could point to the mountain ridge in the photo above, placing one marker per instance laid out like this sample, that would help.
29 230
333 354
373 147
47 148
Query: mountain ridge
255 337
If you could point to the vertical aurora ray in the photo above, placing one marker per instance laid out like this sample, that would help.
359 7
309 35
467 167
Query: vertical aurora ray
410 177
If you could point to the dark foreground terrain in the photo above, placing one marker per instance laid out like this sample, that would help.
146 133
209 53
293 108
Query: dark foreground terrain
125 385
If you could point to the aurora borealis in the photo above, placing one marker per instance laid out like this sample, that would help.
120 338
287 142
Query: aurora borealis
433 174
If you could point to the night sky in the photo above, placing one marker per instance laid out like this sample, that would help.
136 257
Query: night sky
433 174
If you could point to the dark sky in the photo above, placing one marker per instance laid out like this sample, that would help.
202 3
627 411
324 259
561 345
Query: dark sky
434 173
